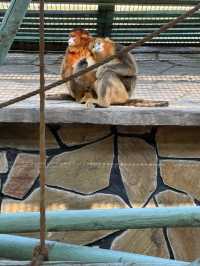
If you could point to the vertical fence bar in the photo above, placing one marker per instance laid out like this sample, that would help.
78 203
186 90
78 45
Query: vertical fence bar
42 135
10 25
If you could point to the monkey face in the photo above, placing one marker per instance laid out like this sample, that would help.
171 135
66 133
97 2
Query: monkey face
79 38
102 48
71 41
98 47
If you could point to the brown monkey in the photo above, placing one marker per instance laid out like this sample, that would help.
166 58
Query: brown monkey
115 80
77 50
79 40
86 81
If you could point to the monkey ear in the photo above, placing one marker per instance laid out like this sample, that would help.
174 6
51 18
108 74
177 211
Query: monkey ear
108 39
85 36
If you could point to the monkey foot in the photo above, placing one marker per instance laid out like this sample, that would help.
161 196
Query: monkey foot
90 104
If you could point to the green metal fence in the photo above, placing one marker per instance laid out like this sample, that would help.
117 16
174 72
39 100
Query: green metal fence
124 23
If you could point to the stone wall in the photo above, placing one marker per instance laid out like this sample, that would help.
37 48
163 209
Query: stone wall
91 167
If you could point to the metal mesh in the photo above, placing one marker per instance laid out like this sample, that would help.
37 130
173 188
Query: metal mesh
163 79
122 22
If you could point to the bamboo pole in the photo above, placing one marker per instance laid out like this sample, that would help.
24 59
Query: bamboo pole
109 219
10 25
20 248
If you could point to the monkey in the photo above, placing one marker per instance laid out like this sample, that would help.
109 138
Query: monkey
116 80
86 81
78 42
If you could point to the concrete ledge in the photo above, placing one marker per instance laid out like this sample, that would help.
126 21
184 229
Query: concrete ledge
69 112
163 76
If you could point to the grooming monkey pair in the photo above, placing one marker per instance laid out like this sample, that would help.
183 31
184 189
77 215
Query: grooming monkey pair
110 84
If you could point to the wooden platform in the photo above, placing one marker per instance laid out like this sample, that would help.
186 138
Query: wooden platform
163 76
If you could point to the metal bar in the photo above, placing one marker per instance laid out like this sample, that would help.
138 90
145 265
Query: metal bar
121 31
125 2
10 24
113 219
21 248
42 134
118 14
61 263
118 26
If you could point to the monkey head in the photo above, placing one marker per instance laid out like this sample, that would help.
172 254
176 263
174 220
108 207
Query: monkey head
102 48
79 38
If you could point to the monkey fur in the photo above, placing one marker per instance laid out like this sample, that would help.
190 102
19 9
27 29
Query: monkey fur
78 49
116 80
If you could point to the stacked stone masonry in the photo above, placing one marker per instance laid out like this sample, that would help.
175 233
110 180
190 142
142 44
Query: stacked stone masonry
92 167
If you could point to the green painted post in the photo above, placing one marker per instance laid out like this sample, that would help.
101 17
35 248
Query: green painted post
21 248
10 25
113 219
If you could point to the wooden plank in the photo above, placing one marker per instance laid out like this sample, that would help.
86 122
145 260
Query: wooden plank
10 25
112 219
21 248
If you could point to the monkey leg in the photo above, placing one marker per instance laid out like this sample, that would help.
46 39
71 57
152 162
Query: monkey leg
110 90
130 84
87 96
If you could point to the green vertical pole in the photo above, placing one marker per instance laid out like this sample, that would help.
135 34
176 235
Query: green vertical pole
10 25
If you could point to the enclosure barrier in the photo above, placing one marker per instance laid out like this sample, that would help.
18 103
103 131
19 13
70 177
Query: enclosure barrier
10 25
116 19
138 43
109 219
21 248
16 247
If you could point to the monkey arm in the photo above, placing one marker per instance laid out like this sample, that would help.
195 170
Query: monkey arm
123 70
65 70
126 67
120 69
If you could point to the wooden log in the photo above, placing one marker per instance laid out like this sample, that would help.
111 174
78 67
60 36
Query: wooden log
109 219
21 248
10 25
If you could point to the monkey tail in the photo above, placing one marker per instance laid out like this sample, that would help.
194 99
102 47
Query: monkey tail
61 96
145 103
